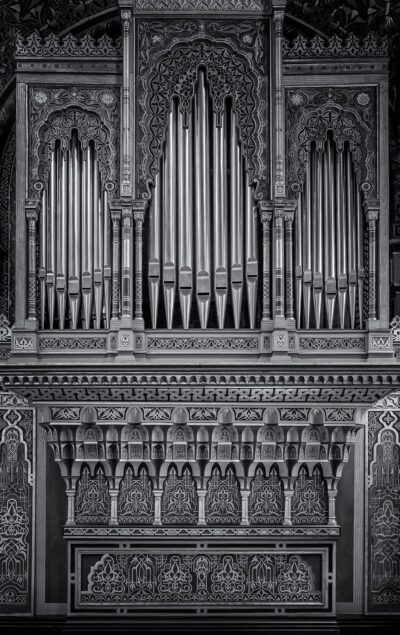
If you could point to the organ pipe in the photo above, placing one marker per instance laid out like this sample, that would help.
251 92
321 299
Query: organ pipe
203 199
169 246
221 219
74 253
185 230
202 202
330 241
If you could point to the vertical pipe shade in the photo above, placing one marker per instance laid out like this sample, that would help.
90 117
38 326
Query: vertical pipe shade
203 207
74 265
329 218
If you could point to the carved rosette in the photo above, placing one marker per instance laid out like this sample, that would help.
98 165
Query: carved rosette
55 112
350 113
170 55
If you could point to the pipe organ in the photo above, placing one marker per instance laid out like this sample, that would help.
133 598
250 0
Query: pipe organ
192 425
330 236
203 235
74 243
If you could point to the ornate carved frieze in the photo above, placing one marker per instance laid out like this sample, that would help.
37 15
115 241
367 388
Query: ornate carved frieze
196 6
384 507
211 578
351 46
55 112
69 46
170 55
350 113
16 504
202 343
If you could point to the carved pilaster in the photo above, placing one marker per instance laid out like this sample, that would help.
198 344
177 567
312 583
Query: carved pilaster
126 189
138 215
372 215
126 277
289 273
32 209
116 232
278 13
266 216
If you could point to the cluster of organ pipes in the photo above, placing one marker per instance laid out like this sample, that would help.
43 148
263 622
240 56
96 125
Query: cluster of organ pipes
74 254
203 223
330 242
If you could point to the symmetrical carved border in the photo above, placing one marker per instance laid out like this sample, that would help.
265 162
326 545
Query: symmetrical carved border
349 113
301 48
196 6
69 46
169 57
53 113
17 437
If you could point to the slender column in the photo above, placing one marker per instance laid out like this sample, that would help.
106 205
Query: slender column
332 507
278 7
360 255
202 506
126 17
51 233
126 262
107 255
43 258
32 216
288 506
251 252
245 508
266 216
157 506
155 249
70 506
116 231
372 214
289 216
138 215
279 262
114 506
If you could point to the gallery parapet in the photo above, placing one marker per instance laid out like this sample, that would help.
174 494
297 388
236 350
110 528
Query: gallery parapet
69 46
371 46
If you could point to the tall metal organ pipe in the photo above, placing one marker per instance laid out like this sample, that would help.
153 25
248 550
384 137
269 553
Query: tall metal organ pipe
330 241
74 252
203 220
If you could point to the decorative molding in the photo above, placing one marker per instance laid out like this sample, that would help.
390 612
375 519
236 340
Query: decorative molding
171 54
68 46
202 343
351 116
325 343
301 48
5 329
395 327
54 112
196 6
199 531
72 343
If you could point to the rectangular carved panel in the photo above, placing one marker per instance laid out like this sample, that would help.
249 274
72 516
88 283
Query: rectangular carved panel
16 504
294 578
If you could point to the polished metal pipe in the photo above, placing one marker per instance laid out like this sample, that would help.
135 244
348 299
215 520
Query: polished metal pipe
351 212
330 234
317 232
185 216
299 257
87 241
169 217
360 253
155 249
307 242
236 204
251 250
42 257
202 202
52 236
220 218
62 237
74 243
98 260
341 231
